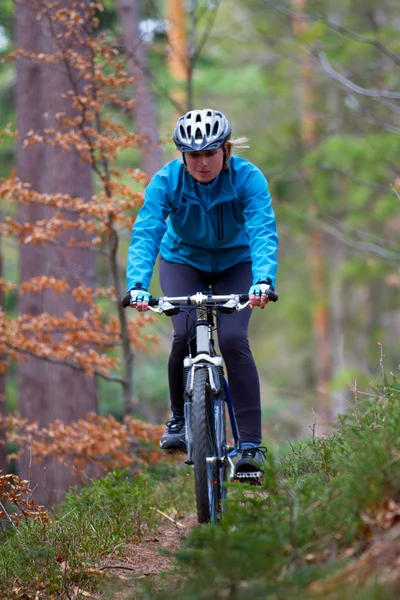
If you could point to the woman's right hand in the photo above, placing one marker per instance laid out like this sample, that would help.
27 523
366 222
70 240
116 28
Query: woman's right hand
139 299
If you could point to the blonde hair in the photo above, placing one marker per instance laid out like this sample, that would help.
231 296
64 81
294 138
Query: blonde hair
234 145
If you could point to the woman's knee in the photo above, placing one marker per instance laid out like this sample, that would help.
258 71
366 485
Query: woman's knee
179 343
233 343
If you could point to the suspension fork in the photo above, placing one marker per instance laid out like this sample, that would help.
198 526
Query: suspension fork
201 361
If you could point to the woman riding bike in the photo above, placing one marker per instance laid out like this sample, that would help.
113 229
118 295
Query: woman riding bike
221 232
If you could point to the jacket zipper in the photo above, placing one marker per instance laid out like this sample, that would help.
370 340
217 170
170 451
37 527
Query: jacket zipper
220 223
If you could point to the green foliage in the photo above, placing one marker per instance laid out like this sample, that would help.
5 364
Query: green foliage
95 522
275 542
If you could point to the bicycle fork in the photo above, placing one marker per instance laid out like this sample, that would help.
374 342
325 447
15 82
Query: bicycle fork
201 361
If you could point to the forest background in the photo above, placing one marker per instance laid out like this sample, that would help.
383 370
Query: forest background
313 86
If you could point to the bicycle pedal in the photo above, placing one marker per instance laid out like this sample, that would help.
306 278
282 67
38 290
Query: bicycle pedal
254 478
170 451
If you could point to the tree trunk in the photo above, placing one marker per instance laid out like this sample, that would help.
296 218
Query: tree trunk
3 411
145 110
337 253
31 383
48 392
317 243
177 59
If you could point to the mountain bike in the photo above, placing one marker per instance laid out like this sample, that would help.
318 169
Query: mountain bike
207 398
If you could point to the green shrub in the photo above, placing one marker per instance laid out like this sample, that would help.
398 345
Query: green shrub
97 521
308 521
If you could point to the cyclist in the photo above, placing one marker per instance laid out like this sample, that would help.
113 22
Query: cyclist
221 231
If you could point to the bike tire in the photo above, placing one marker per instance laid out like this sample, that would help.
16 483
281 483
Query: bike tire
206 476
224 469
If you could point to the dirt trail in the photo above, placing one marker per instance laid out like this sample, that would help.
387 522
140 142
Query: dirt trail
146 559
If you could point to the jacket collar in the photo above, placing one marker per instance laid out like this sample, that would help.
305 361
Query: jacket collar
221 188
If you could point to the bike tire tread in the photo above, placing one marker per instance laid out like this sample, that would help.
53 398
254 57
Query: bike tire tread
202 444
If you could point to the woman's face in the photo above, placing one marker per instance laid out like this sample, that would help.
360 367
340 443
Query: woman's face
205 165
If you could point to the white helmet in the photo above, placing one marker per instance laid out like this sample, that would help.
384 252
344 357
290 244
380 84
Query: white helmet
201 130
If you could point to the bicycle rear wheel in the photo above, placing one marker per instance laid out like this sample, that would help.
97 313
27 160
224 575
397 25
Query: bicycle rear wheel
206 473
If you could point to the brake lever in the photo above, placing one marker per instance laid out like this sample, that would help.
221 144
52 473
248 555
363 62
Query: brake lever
156 310
240 307
165 307
234 304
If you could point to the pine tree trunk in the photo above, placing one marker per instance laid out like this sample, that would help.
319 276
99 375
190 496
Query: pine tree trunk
145 110
177 58
337 253
3 411
48 392
317 243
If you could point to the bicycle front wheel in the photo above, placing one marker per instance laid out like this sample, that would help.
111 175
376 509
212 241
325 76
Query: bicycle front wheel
206 472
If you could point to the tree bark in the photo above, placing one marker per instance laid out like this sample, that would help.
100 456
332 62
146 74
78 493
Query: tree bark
3 411
145 110
31 384
337 254
48 392
177 58
317 244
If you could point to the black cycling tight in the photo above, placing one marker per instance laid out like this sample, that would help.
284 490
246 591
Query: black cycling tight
181 280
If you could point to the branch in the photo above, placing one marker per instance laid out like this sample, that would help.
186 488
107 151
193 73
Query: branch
294 160
205 36
350 175
3 508
391 256
325 64
395 191
346 32
394 107
189 60
72 366
361 241
372 239
383 124
162 89
73 82
75 271
168 517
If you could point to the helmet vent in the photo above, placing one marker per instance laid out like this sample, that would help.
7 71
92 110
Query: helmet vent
189 131
198 118
198 135
182 131
215 128
208 128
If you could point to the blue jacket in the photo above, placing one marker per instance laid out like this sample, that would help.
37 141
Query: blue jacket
210 227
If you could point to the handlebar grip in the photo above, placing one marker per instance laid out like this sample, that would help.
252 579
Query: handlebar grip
126 300
273 296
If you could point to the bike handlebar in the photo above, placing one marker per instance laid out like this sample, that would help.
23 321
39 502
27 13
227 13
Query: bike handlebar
199 299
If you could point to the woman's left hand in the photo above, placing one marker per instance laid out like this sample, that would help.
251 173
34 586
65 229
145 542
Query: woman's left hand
258 295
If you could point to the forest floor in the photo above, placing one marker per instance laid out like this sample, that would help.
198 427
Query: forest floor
146 560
